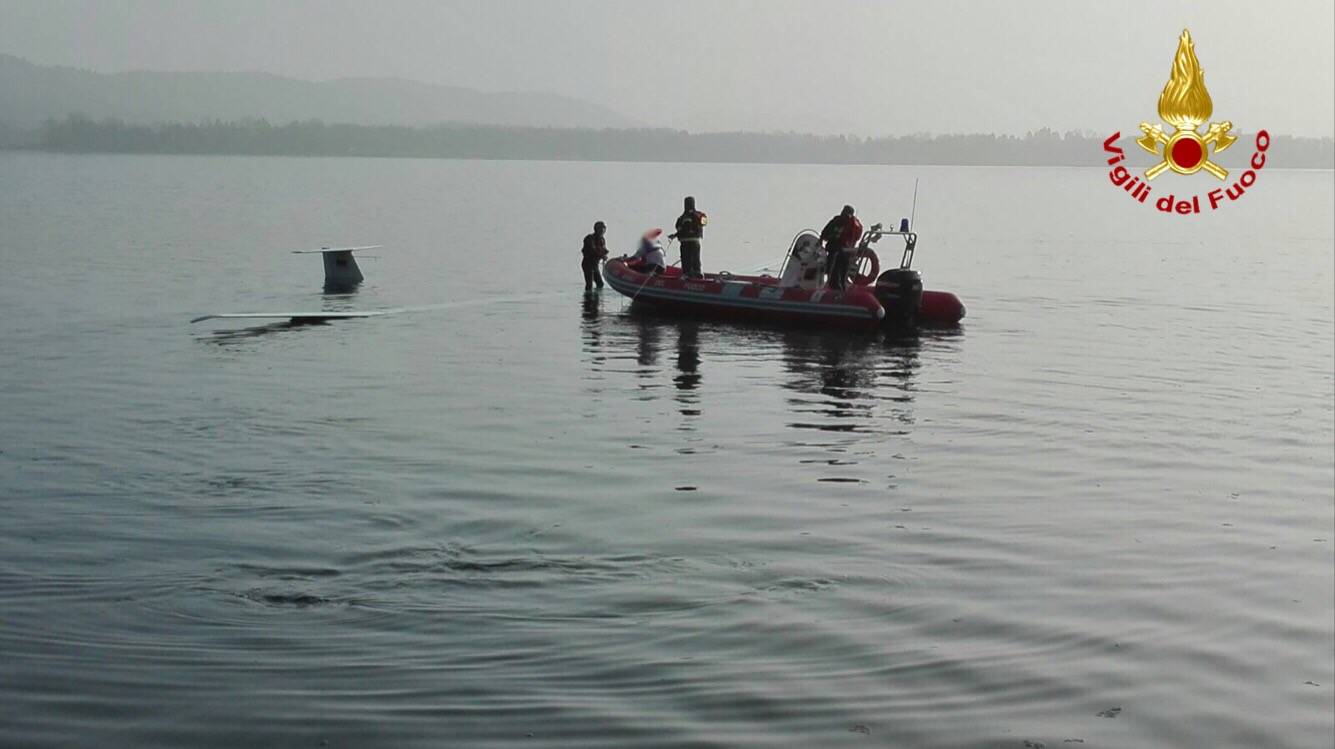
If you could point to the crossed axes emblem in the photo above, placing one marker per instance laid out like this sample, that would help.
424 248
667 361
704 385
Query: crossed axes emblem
1185 151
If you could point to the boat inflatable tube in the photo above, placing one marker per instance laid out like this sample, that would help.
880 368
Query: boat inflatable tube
941 308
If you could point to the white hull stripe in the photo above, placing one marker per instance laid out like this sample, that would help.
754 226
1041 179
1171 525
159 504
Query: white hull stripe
806 308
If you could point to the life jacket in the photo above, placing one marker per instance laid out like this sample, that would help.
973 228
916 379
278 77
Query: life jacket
852 232
842 232
691 225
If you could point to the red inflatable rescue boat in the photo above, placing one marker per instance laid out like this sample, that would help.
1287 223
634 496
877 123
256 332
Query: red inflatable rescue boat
893 300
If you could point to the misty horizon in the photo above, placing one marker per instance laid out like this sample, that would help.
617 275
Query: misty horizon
843 68
621 121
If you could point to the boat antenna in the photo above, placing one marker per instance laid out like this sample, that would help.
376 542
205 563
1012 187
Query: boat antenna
914 213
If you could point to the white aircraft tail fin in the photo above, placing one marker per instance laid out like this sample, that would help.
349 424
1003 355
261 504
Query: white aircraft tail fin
340 267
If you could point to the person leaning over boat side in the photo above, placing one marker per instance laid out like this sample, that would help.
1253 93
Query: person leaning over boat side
648 257
841 235
690 230
595 250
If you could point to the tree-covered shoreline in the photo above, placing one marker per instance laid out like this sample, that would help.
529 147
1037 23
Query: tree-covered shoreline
79 134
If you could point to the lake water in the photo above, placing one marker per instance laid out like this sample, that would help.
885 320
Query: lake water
1099 514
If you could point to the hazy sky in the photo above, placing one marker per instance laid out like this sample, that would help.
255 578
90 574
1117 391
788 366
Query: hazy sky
857 66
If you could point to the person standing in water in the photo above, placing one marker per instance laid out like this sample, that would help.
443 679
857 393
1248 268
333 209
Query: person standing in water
690 230
841 236
595 251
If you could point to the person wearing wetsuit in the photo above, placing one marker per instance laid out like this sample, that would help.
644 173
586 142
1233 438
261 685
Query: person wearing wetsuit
841 235
690 230
595 250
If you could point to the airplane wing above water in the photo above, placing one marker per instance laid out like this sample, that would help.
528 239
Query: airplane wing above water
338 249
296 316
316 316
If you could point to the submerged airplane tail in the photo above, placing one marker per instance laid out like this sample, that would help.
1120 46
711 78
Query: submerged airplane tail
340 267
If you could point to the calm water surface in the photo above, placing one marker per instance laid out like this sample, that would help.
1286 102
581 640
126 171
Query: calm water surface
1098 514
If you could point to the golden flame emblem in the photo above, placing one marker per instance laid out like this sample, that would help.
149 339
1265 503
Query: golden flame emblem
1185 104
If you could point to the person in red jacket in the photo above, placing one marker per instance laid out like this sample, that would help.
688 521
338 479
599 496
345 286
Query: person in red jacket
841 237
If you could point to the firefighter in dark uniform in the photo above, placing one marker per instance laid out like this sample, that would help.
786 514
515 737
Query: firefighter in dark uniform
841 235
690 230
595 251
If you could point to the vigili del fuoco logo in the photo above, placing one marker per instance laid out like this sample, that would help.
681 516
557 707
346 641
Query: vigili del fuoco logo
1185 105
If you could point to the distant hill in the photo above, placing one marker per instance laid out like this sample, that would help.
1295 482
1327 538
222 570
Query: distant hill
457 141
29 94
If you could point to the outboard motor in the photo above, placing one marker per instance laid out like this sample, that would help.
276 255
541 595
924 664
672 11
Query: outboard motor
899 290
806 263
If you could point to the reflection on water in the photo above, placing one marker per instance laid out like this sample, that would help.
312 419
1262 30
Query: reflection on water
590 310
688 377
854 377
839 381
647 343
228 337
688 355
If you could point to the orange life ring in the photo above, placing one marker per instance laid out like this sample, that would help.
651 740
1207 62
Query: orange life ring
868 279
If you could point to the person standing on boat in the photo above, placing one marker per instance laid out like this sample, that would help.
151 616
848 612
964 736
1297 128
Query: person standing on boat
841 235
690 230
594 252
